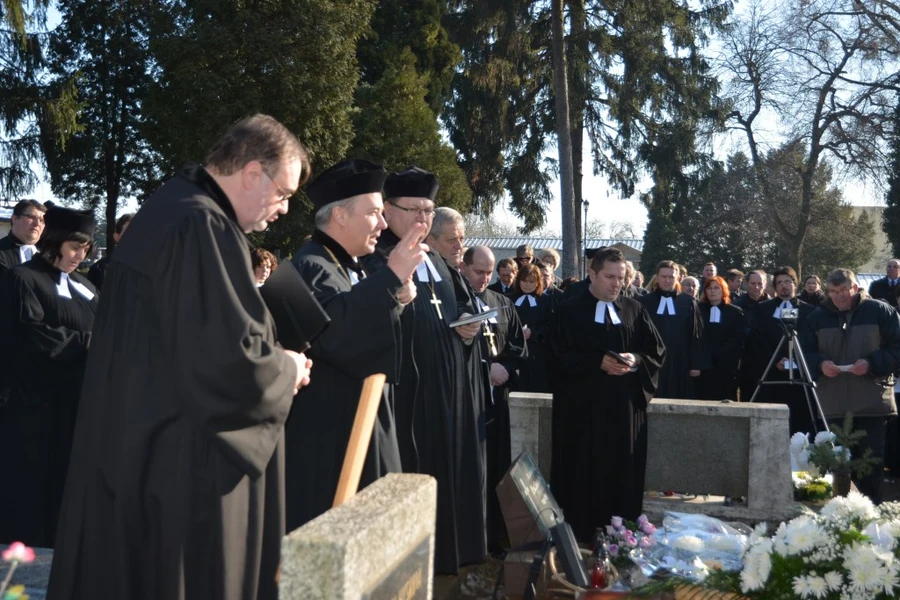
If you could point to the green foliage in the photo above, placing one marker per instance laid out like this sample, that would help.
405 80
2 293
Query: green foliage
395 127
416 26
34 111
825 457
890 221
103 48
226 59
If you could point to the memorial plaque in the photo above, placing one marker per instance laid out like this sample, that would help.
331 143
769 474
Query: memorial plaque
529 508
407 579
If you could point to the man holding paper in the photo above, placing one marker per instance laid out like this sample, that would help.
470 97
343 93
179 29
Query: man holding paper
610 355
362 339
440 426
852 345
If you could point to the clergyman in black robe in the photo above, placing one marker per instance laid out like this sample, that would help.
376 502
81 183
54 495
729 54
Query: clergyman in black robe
438 428
677 318
98 270
176 484
26 226
46 316
724 333
503 343
748 376
363 338
600 406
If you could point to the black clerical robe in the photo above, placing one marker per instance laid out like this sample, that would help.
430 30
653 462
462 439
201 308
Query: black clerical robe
362 339
723 340
440 425
682 334
176 486
504 344
764 338
600 420
45 337
535 312
98 271
9 252
747 372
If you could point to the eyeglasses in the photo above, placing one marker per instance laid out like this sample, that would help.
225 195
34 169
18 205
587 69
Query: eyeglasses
418 211
33 217
282 193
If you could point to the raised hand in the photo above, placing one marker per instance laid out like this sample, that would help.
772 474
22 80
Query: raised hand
407 254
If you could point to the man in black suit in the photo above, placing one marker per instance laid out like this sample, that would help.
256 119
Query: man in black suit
886 288
506 275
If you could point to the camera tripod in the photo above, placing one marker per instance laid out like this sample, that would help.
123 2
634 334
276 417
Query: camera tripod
795 357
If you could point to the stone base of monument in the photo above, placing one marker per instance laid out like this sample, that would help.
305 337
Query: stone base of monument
656 506
378 545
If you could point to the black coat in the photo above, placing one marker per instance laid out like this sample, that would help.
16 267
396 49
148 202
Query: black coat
724 341
881 289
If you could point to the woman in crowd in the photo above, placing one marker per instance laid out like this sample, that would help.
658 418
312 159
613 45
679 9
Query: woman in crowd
812 291
264 262
723 337
534 310
47 311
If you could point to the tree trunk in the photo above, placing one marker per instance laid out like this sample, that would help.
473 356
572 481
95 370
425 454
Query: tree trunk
577 69
564 143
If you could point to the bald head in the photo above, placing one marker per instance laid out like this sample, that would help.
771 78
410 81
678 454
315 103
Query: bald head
478 267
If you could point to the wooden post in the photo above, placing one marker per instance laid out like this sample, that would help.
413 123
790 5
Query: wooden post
360 436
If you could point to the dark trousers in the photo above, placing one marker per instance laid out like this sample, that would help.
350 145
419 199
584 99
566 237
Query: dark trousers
876 433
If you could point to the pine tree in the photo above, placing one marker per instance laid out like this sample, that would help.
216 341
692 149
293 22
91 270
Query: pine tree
890 220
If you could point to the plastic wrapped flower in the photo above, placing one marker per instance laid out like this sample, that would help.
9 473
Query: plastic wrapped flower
824 437
18 552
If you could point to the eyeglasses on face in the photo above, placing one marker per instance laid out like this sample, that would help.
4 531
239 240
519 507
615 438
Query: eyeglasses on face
417 211
34 217
283 194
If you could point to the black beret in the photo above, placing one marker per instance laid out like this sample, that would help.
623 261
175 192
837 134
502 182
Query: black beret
344 180
411 182
67 220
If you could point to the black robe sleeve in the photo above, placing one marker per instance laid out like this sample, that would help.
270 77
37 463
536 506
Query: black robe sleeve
237 392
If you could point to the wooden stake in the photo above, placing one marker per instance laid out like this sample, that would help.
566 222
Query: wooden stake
360 436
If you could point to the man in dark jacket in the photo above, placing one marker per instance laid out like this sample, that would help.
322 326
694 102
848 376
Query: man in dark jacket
852 344
886 288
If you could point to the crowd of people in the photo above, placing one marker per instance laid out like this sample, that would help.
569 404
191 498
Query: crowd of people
168 440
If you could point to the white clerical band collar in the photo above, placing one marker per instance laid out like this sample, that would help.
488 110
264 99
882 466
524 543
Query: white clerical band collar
424 268
603 309
62 288
26 252
531 301
666 306
715 315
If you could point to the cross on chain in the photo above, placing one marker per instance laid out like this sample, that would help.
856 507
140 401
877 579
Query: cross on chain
490 335
437 304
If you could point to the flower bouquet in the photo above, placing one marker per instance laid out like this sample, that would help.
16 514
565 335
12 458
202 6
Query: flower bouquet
623 537
848 551
810 488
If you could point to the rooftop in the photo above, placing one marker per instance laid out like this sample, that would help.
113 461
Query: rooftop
549 242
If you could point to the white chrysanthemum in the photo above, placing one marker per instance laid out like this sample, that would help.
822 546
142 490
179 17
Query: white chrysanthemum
818 587
801 586
802 534
757 566
881 534
854 506
824 437
724 543
834 580
690 543
799 441
864 565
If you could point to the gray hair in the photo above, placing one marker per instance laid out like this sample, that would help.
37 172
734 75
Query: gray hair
323 215
550 253
841 277
444 216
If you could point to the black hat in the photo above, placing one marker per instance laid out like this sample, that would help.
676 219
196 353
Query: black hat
68 221
411 182
344 180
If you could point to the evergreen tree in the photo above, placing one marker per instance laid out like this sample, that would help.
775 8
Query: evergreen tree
103 44
395 127
226 59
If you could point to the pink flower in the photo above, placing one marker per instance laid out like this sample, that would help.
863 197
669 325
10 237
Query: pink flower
18 551
648 528
610 530
643 519
629 533
613 550
616 522
645 542
631 541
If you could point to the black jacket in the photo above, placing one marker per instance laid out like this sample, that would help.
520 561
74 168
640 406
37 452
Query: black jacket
881 289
